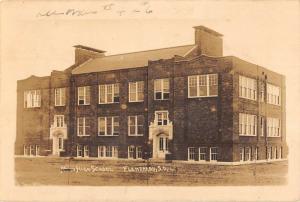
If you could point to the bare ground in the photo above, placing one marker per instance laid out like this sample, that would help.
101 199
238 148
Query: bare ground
47 171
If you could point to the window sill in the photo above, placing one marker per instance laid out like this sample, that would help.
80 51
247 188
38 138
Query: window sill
83 104
108 103
203 96
273 136
108 135
136 101
83 135
138 135
59 105
242 135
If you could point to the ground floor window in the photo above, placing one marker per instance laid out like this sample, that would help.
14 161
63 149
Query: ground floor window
135 152
163 144
213 154
256 153
275 153
280 152
31 150
202 153
192 153
107 151
82 151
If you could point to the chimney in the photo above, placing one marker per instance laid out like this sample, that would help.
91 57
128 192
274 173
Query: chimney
84 53
209 41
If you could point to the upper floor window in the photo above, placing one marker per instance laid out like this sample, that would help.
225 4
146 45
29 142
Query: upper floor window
162 118
108 126
247 88
136 91
261 91
60 96
84 95
83 126
109 93
247 124
136 125
203 85
32 98
59 121
161 89
273 94
273 127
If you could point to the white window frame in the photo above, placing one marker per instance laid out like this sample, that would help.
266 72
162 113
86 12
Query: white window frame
135 125
139 152
79 151
273 94
114 151
164 91
131 150
213 154
166 118
86 151
115 91
113 132
208 84
85 95
32 98
192 153
136 91
202 153
84 127
247 88
247 124
60 94
59 121
273 127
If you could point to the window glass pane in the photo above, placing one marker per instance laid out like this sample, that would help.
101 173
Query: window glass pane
109 125
116 125
109 93
87 95
157 85
140 91
116 92
166 85
101 126
193 86
102 93
87 126
132 92
213 84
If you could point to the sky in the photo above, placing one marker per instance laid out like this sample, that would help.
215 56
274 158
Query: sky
266 33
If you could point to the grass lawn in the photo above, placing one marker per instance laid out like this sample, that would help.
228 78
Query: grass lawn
52 171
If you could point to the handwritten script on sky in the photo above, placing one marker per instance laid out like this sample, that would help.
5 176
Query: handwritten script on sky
110 7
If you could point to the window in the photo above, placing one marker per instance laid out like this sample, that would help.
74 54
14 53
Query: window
82 151
247 88
83 126
273 94
213 154
37 150
32 98
275 153
202 153
86 151
84 95
108 126
26 151
262 126
268 153
163 144
247 124
131 152
107 151
242 153
247 153
59 121
135 152
280 153
273 127
136 125
136 91
109 93
162 118
60 96
60 143
161 89
139 153
192 153
203 85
